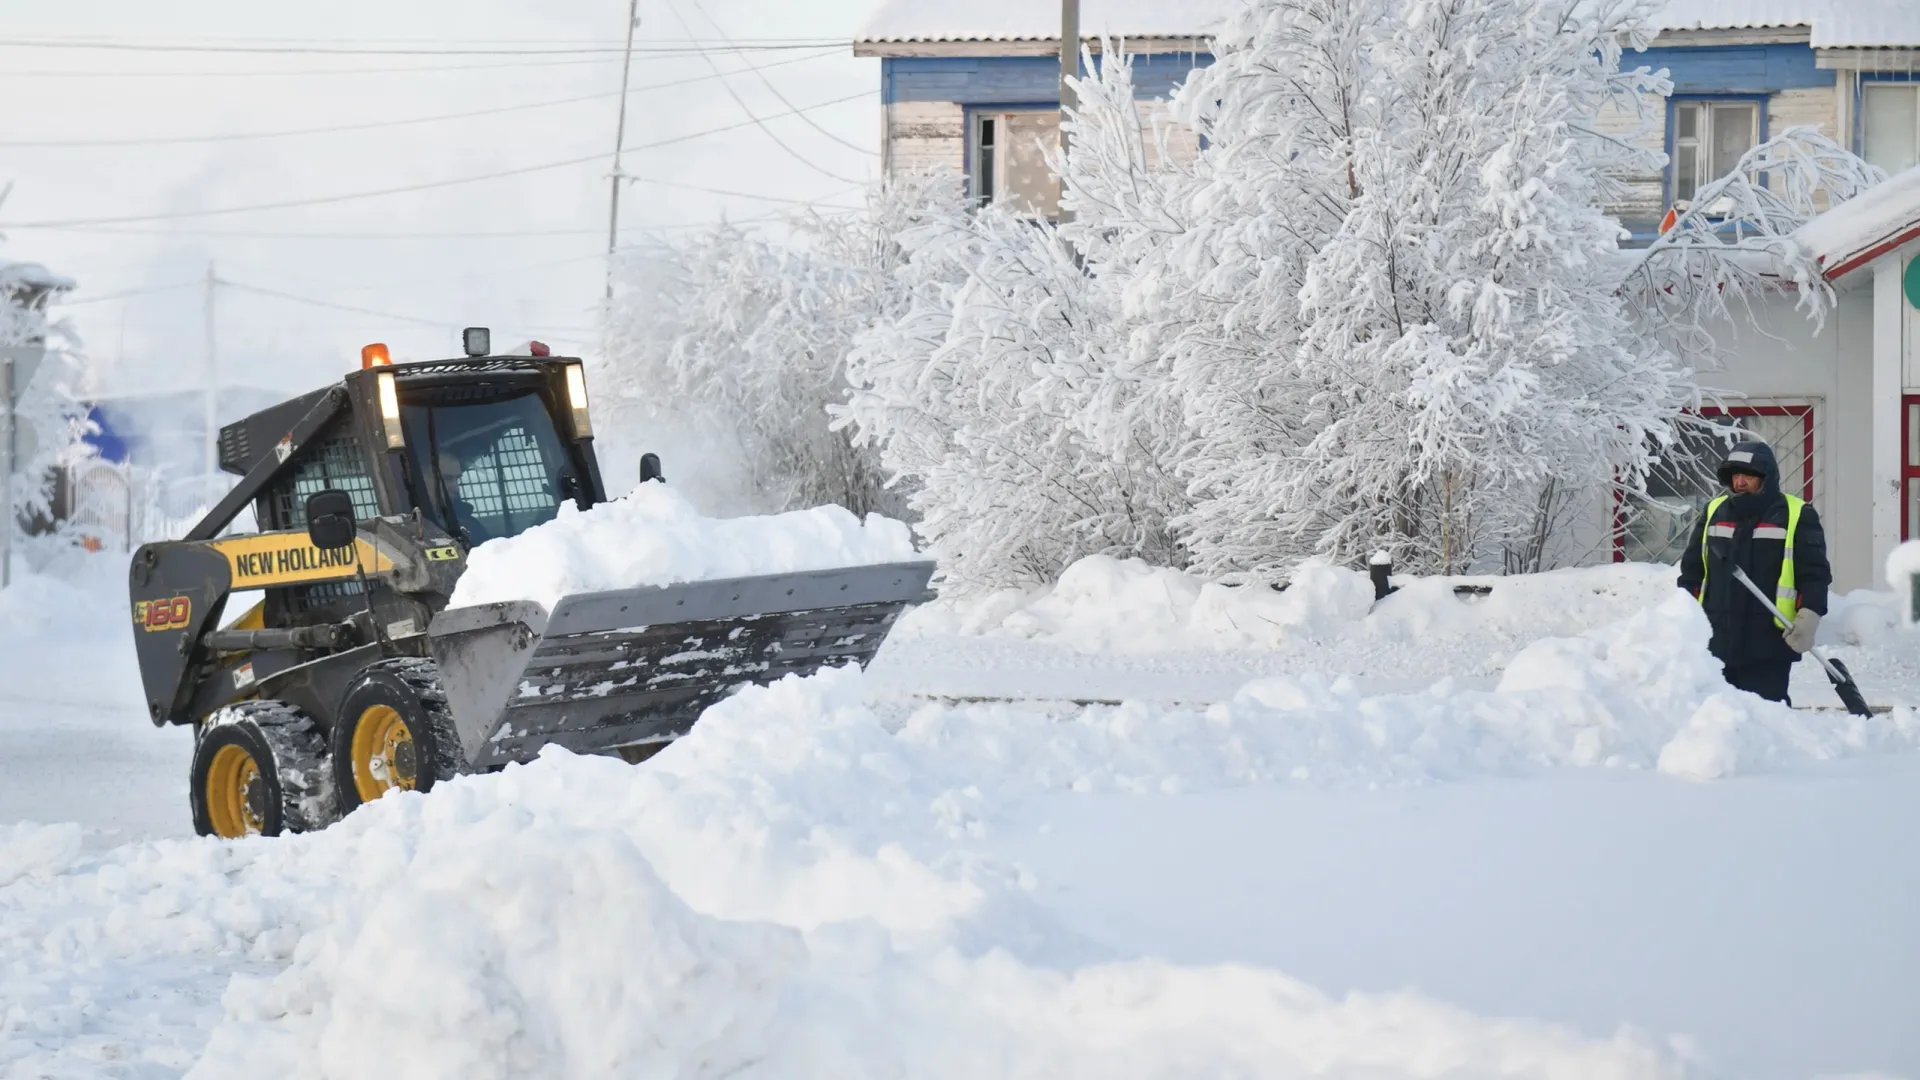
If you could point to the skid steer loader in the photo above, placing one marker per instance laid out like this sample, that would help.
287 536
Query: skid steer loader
350 676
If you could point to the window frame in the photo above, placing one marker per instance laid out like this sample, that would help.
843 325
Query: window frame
1870 78
974 114
1808 450
1671 175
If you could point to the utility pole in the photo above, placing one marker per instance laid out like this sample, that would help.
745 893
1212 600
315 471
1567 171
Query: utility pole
1069 68
213 380
619 142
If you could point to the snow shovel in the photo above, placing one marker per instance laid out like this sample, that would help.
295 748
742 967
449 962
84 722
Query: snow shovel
1837 672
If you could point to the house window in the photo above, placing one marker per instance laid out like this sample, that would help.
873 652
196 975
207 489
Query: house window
1890 125
1656 529
1009 160
1709 138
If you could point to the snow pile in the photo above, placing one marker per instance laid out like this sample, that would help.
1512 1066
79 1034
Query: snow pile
809 885
654 536
1102 604
1642 693
1903 565
790 891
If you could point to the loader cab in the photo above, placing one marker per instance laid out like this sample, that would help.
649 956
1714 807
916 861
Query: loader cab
481 447
484 448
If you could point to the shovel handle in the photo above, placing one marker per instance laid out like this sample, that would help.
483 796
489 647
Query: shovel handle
1741 576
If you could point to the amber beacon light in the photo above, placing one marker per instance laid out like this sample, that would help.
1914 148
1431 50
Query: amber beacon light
374 355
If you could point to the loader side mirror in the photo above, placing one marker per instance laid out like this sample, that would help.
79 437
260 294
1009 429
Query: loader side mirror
650 468
330 523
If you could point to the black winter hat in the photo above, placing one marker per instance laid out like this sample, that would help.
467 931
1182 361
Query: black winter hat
1754 459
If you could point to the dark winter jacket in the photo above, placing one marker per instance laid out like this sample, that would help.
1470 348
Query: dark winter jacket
1744 630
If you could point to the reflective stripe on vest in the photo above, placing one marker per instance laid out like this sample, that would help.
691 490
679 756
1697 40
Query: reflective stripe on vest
1785 596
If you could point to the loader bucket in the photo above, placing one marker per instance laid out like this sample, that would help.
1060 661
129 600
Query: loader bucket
635 666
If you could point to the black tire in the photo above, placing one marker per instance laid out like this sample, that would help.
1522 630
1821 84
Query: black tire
260 767
370 755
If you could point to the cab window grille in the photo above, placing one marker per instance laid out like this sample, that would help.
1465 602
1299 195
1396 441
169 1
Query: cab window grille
508 487
335 463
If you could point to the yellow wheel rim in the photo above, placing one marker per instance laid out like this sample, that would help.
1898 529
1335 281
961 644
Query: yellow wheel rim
383 753
236 794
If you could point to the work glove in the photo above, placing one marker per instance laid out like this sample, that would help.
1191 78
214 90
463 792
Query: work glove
1800 635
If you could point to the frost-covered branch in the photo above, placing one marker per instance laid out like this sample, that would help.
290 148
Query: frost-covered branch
1735 237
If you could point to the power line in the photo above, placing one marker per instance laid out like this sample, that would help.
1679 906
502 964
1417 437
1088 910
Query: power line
303 39
253 234
204 73
159 140
631 179
312 302
744 107
77 223
507 234
774 90
351 309
692 46
124 294
416 320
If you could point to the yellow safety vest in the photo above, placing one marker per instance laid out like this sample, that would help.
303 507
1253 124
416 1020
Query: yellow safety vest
1785 596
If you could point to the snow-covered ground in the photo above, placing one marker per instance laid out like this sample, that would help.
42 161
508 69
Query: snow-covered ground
1446 838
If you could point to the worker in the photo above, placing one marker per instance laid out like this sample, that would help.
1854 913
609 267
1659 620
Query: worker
1776 538
461 518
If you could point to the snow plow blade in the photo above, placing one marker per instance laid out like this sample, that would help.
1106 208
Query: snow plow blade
607 670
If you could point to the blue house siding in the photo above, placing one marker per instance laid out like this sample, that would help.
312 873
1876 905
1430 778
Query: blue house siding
1016 80
1026 80
1734 69
1783 78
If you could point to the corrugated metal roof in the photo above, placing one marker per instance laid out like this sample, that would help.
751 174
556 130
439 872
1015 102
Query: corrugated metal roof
1834 23
1738 14
1867 24
1878 220
1037 20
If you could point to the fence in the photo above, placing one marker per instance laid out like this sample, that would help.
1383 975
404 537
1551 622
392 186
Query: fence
115 507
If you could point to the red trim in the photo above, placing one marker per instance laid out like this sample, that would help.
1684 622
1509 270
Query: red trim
1804 412
1909 469
1900 239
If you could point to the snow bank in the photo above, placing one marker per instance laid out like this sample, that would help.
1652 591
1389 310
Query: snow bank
1642 693
1104 604
1903 565
654 536
797 889
808 885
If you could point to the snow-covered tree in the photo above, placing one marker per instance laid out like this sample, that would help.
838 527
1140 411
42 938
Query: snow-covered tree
1391 308
993 396
746 335
49 419
1736 240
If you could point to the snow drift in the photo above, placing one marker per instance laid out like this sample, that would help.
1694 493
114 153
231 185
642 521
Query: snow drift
654 536
803 886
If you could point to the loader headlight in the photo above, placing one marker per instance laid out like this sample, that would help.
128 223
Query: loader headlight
577 401
390 410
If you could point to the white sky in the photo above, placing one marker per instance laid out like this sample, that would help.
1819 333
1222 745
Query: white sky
540 286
